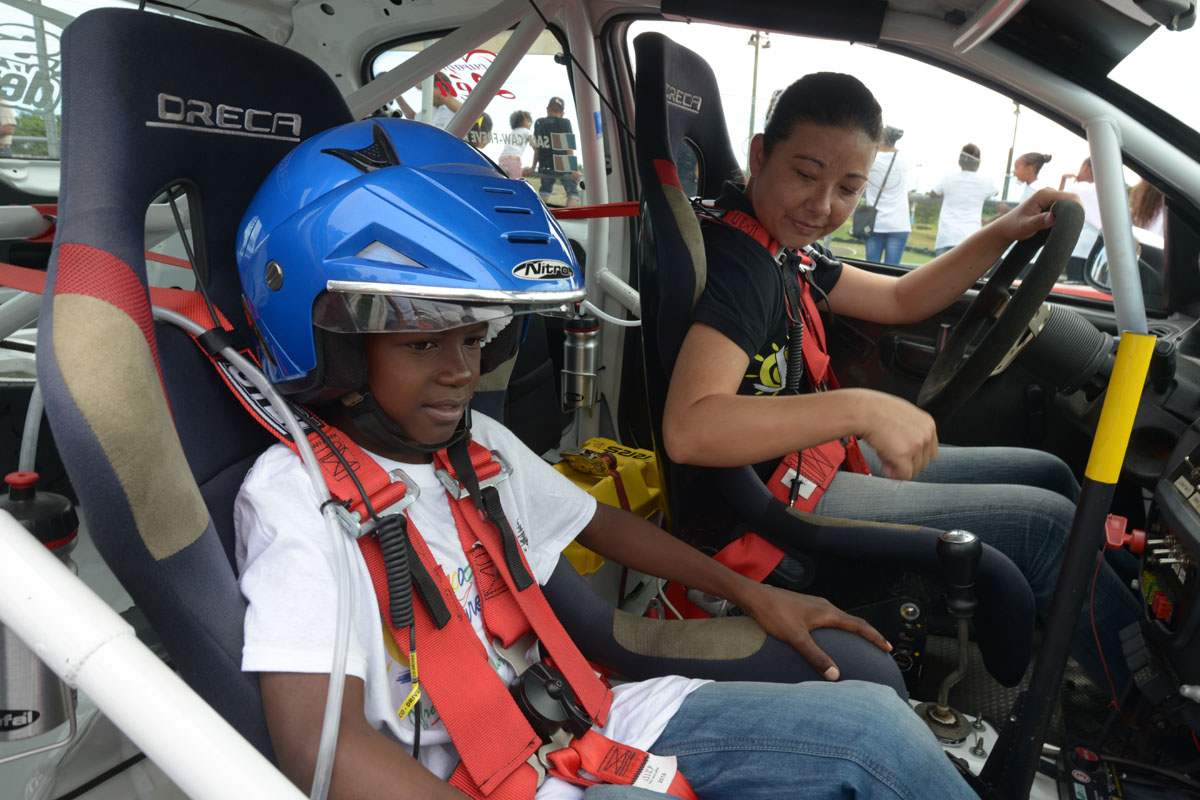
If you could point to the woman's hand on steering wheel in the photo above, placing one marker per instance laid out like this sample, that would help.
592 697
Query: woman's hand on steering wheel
1030 216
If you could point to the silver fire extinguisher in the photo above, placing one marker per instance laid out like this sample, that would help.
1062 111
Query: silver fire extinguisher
581 360
33 700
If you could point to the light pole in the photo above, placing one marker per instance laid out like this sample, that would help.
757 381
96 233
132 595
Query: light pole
759 39
1011 147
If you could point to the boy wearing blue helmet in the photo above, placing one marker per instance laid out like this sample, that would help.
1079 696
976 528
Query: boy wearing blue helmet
381 285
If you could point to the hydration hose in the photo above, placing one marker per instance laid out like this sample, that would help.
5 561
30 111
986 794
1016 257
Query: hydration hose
341 649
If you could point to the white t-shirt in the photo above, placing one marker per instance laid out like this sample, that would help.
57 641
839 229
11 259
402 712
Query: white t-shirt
1091 217
891 212
442 116
963 194
285 561
514 143
1032 188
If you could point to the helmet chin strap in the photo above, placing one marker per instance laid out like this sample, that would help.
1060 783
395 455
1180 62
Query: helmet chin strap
384 436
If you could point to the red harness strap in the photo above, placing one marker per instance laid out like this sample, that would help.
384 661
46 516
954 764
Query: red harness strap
813 467
496 588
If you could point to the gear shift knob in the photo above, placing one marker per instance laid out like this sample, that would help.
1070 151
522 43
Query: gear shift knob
958 553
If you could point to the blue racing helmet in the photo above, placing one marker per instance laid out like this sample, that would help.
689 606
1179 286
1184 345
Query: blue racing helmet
391 225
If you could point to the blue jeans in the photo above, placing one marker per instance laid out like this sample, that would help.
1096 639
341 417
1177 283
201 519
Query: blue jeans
1019 501
888 245
746 741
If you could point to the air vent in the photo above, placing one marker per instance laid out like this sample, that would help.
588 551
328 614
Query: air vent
527 237
512 210
498 190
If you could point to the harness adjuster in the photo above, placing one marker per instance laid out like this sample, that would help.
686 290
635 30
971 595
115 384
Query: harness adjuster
352 521
458 491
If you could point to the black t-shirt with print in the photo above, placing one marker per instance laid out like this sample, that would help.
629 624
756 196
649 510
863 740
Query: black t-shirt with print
744 296
542 130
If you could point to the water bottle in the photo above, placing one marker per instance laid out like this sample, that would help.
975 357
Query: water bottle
33 700
581 360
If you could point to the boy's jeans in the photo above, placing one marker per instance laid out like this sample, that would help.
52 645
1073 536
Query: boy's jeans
813 740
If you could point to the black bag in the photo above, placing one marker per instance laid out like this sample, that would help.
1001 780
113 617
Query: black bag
862 223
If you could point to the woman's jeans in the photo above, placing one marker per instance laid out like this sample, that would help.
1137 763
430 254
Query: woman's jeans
817 741
1019 501
888 245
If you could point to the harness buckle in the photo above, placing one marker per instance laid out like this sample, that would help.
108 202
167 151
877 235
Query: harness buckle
352 521
458 491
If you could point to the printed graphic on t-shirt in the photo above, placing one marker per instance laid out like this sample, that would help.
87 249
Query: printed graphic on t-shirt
768 371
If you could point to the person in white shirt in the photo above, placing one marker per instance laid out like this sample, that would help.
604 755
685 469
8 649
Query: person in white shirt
8 124
515 143
887 190
963 194
445 102
1026 170
1084 186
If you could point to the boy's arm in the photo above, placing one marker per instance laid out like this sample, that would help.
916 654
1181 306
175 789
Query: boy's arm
367 765
789 616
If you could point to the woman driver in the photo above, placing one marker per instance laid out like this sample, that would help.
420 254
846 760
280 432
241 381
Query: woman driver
724 406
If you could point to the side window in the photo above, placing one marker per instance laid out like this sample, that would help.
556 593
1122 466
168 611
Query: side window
529 128
945 169
30 86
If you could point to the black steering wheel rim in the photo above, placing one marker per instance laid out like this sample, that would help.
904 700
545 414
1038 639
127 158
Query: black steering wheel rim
954 375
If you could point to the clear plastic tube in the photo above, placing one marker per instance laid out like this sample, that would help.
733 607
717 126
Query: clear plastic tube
337 673
26 461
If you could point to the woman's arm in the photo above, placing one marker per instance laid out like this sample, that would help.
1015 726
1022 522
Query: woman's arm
928 289
707 423
789 616
367 764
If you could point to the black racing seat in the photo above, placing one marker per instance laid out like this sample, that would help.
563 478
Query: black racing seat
683 151
212 111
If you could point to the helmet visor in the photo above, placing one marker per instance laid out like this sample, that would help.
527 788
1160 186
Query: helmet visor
351 312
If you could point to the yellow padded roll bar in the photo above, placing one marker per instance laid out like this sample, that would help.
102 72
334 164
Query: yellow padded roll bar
1120 407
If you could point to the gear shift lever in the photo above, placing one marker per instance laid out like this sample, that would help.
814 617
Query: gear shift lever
958 553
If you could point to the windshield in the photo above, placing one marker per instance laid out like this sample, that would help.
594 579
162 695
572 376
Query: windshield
1163 70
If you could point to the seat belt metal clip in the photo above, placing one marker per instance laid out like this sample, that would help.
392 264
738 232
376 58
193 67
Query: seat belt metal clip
352 521
458 491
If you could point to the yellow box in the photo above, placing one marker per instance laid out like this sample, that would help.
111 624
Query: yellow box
591 468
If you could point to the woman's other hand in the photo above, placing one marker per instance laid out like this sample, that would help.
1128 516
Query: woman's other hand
904 436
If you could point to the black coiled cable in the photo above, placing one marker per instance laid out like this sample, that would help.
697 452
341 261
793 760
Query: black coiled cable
392 533
795 359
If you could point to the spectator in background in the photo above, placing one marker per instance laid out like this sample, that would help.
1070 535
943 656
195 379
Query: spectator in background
1146 207
445 102
887 190
963 194
1083 185
8 124
545 153
480 135
1026 171
514 143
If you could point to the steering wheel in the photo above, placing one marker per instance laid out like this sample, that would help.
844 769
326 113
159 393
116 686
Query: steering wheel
955 374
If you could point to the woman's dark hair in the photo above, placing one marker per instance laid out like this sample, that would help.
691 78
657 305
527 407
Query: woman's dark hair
824 98
968 158
1145 201
517 117
1035 160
